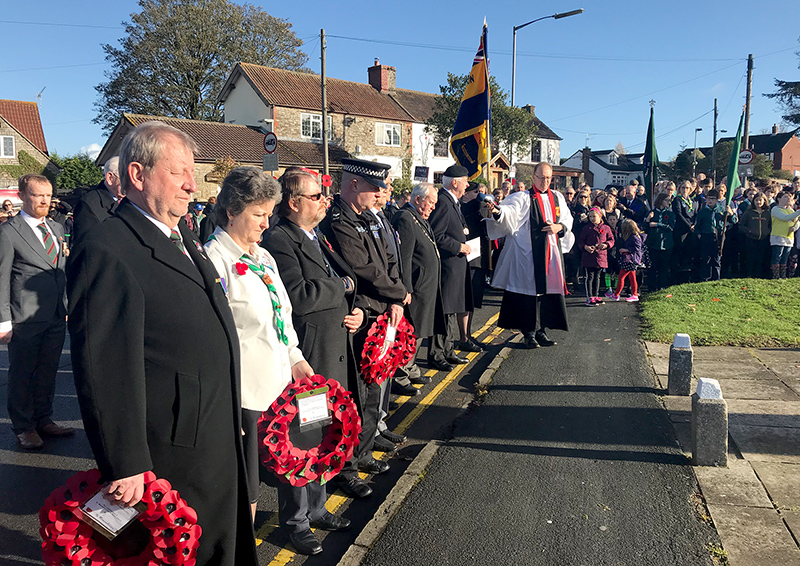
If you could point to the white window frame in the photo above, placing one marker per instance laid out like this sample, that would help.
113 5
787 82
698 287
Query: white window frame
315 119
381 130
3 145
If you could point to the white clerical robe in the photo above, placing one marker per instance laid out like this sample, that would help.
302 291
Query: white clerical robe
514 269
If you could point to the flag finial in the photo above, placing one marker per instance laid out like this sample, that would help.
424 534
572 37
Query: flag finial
652 103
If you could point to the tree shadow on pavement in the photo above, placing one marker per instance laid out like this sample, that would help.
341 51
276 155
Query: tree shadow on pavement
17 548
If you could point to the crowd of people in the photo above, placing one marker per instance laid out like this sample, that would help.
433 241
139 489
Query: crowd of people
689 233
187 321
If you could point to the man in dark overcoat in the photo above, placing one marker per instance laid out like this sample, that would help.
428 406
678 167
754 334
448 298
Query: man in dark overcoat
98 203
155 352
355 234
451 233
33 310
422 266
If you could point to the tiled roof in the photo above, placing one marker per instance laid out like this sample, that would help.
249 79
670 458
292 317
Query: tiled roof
418 104
762 143
245 145
542 131
24 116
623 163
294 89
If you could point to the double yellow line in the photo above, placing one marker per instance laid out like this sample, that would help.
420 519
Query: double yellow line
337 499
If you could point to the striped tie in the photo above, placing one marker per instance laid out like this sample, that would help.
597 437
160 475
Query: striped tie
49 244
175 236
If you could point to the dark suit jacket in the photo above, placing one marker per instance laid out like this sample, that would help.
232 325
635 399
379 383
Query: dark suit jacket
32 290
319 303
421 271
155 357
95 206
448 227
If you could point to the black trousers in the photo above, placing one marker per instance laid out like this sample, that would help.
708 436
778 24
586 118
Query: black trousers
443 345
33 355
709 258
658 275
521 312
298 506
757 256
593 275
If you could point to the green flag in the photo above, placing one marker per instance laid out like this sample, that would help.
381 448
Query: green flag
650 160
733 166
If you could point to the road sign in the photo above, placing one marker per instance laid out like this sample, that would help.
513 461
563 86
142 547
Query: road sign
270 142
270 162
746 157
747 170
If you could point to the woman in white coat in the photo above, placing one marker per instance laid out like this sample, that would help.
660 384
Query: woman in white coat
270 357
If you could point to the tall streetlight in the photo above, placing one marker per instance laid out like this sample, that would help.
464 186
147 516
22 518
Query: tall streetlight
514 55
694 152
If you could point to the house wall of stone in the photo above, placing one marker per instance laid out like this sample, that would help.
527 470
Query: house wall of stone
20 144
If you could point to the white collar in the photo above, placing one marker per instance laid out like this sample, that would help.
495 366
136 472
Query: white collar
234 250
32 222
166 230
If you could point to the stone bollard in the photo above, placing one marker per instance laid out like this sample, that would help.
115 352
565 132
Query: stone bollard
709 425
680 366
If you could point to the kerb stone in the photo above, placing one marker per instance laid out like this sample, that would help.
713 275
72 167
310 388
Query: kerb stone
709 432
681 357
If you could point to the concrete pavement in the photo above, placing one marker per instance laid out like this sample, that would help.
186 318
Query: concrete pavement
755 501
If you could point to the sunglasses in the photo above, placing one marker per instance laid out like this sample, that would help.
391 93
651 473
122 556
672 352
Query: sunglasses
315 196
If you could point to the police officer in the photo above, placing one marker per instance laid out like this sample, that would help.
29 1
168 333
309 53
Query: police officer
356 235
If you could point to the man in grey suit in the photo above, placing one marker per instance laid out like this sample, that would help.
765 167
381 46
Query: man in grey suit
33 309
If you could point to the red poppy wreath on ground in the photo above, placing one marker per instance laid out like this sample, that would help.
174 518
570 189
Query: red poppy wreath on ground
380 359
68 541
294 465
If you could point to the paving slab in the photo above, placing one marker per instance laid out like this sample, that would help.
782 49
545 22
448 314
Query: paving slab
754 536
773 389
739 369
778 355
785 371
735 485
723 353
792 520
660 365
782 482
785 414
657 349
767 444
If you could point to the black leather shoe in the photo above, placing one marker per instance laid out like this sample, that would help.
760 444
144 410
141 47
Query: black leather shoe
409 389
393 436
420 380
456 359
55 430
354 487
393 405
305 542
373 466
543 340
440 365
383 444
469 346
331 522
530 342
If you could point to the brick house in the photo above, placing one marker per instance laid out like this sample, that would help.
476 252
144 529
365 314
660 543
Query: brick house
22 143
374 120
218 140
782 148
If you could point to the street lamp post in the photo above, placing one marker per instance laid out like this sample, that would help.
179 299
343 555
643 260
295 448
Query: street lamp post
694 152
514 49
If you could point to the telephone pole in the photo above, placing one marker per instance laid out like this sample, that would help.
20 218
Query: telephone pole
324 86
714 147
746 135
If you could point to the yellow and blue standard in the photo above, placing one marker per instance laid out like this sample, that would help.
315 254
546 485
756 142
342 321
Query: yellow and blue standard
470 144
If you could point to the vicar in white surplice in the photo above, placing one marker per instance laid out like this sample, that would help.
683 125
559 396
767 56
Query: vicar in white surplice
537 226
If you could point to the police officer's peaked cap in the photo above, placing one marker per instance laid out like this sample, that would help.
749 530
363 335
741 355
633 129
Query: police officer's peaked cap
372 172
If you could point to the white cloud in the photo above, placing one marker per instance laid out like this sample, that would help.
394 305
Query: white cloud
92 150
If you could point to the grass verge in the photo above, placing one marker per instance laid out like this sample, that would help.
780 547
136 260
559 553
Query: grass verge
758 313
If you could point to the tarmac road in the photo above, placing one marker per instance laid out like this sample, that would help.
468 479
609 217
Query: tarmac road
570 460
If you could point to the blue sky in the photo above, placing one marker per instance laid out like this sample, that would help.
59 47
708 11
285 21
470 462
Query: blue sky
589 74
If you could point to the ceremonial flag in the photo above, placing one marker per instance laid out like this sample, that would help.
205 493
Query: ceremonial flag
470 144
650 160
733 165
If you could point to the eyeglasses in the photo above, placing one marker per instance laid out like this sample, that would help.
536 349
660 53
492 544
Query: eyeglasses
315 196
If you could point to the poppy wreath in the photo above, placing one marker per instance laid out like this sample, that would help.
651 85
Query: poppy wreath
294 465
378 365
68 541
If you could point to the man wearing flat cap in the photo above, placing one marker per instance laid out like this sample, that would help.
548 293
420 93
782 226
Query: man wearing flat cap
356 235
451 233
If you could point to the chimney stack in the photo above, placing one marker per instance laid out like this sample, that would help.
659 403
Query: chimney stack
774 129
382 77
588 176
530 108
